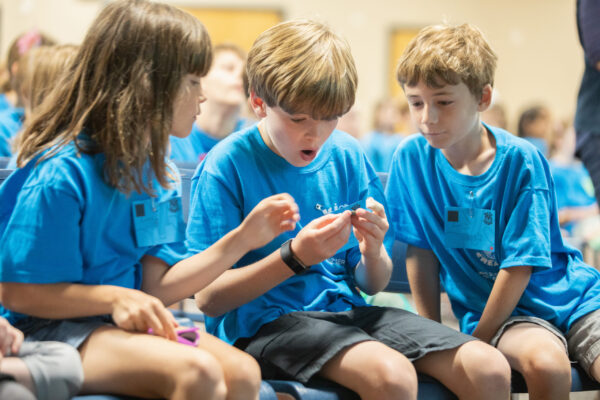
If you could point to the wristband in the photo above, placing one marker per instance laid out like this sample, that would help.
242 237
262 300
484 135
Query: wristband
288 257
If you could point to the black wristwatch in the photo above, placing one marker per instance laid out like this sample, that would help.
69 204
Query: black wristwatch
290 259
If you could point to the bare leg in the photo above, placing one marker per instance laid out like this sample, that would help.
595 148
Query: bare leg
115 361
540 357
242 373
474 370
16 367
374 371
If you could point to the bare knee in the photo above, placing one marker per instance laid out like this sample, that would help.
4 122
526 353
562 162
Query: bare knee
200 376
486 370
547 364
243 381
395 380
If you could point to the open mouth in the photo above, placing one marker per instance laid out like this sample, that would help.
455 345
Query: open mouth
308 155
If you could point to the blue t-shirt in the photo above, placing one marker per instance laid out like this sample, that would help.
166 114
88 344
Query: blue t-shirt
477 225
61 222
240 172
380 148
194 147
11 121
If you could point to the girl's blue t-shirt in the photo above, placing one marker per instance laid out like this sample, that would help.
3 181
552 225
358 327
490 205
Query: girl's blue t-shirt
240 172
476 225
61 222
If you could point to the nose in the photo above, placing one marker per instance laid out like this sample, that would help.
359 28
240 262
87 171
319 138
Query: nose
429 115
201 99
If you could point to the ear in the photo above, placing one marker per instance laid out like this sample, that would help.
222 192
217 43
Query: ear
258 105
486 98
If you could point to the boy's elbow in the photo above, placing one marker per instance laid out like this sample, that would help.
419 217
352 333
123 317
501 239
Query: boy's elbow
206 304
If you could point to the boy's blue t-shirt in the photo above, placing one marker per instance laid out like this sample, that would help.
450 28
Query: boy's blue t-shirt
240 172
11 122
379 148
194 147
477 225
60 222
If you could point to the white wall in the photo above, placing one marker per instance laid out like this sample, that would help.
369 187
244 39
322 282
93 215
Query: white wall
536 40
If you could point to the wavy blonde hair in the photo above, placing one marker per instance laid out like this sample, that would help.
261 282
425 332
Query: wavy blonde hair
39 70
302 66
121 89
442 54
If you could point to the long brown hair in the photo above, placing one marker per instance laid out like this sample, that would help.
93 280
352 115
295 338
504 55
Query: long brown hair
121 89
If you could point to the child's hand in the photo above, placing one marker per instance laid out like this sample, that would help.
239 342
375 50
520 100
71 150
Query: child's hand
370 228
322 238
137 311
270 217
10 338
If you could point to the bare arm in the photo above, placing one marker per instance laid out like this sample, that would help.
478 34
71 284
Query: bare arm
422 268
506 292
267 220
374 270
131 309
314 243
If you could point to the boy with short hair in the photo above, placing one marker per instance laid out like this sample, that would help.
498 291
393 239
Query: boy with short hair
477 207
293 304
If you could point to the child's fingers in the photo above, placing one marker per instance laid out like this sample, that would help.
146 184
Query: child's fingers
376 207
166 321
339 238
368 228
17 341
364 218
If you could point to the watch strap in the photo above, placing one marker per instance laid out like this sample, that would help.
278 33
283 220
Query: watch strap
288 257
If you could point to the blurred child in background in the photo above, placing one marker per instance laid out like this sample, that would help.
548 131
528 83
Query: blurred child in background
221 115
11 118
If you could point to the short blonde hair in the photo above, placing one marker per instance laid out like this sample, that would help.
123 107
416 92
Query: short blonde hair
302 66
443 54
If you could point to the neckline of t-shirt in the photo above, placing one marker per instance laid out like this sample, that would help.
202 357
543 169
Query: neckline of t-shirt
281 163
473 180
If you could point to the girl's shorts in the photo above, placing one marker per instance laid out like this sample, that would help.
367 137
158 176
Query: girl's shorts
297 345
71 331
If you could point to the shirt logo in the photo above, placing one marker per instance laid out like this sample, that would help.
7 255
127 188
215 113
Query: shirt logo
329 210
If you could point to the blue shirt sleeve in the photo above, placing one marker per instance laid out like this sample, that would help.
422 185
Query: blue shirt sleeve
214 211
403 213
42 237
526 237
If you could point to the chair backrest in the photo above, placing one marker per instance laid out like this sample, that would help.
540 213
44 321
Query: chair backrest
399 280
4 162
4 173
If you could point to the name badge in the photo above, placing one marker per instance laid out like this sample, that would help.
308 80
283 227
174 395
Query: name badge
470 228
158 222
